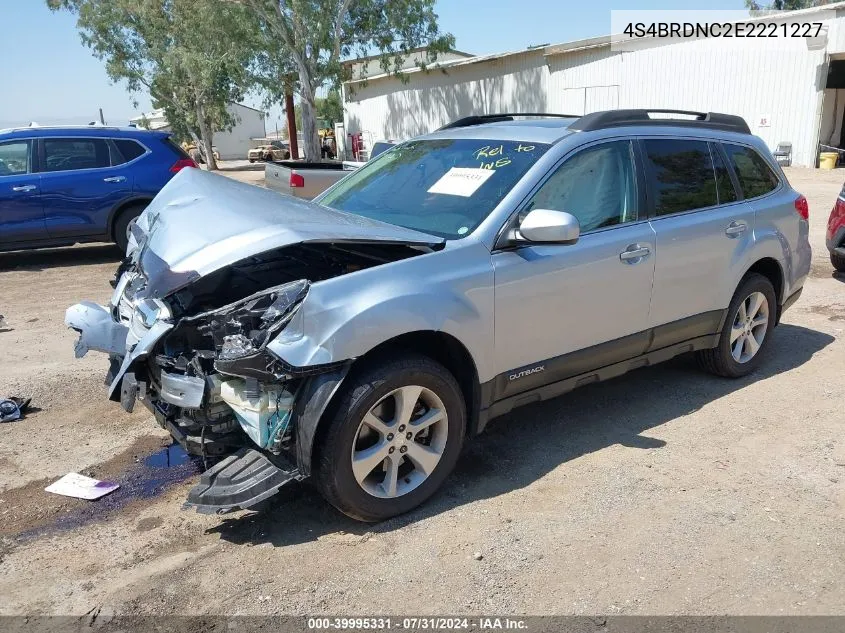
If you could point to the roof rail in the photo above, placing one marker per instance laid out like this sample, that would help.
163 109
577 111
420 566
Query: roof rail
616 118
478 119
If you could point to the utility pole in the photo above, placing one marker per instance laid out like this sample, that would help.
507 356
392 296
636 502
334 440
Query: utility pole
294 146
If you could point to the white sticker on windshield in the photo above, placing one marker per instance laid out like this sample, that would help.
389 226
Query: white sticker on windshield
461 181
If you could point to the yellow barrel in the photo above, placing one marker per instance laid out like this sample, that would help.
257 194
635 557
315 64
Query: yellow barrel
827 160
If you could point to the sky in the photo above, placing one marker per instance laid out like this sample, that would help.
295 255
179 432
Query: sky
51 78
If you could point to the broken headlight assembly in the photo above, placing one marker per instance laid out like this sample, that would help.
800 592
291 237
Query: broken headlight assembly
148 311
243 329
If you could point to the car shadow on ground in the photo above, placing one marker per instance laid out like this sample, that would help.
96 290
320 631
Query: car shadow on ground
521 447
44 258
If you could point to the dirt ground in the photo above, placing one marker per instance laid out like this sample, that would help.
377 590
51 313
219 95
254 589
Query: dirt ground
666 491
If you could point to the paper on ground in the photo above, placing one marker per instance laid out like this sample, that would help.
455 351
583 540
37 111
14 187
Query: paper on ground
461 181
81 487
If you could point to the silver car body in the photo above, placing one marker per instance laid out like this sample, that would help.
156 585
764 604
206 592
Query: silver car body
529 322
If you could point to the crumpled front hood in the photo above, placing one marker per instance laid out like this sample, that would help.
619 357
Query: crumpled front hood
200 222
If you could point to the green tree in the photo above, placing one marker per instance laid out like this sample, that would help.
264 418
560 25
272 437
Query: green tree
191 56
330 109
316 36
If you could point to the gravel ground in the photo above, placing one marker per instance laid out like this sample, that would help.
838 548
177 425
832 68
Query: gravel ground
666 491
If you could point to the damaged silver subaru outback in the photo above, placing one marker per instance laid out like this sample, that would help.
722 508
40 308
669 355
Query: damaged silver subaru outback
359 338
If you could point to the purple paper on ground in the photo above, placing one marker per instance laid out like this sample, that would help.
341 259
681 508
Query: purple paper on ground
81 487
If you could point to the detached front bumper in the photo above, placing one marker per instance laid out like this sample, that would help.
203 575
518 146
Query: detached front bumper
97 329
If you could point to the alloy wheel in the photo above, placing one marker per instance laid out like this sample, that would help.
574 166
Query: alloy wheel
399 442
750 325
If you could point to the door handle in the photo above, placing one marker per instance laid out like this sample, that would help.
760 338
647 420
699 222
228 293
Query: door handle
735 228
634 253
115 179
24 188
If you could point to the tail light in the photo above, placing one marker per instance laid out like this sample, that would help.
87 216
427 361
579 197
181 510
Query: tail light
296 180
802 208
182 163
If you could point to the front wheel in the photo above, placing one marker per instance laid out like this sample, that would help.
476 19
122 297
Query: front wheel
746 332
394 436
838 262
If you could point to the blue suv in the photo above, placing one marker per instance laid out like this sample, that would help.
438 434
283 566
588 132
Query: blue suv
60 186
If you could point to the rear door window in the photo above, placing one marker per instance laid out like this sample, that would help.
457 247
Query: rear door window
68 154
129 150
681 175
14 158
755 176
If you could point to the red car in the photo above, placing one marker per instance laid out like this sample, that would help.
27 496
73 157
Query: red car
836 233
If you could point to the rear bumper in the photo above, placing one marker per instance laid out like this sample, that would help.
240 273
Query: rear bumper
837 240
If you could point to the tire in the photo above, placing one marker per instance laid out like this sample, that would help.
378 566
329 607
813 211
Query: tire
721 360
121 223
377 385
838 262
252 160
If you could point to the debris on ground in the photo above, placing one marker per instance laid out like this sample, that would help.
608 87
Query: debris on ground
13 408
81 487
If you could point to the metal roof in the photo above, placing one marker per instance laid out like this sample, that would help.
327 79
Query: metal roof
578 45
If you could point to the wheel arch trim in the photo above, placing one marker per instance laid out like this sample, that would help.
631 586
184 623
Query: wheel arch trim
318 392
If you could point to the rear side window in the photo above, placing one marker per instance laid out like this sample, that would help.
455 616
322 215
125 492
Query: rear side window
681 175
724 184
67 154
755 176
176 148
129 150
14 158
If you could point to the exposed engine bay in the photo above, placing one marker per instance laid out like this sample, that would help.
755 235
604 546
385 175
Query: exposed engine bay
210 379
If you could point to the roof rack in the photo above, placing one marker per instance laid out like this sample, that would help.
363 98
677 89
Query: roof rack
478 119
616 118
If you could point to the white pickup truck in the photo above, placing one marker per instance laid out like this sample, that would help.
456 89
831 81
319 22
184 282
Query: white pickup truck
303 180
308 180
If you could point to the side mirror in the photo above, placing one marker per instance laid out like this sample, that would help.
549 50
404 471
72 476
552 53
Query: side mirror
545 225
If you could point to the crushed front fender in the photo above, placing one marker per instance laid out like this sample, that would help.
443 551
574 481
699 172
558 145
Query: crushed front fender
97 330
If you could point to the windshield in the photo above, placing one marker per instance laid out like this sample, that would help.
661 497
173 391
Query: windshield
445 187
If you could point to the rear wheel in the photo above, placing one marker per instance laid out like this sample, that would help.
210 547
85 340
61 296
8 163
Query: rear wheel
746 333
395 435
121 224
838 262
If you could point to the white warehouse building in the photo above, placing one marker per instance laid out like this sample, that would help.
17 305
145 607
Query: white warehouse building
248 129
789 92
